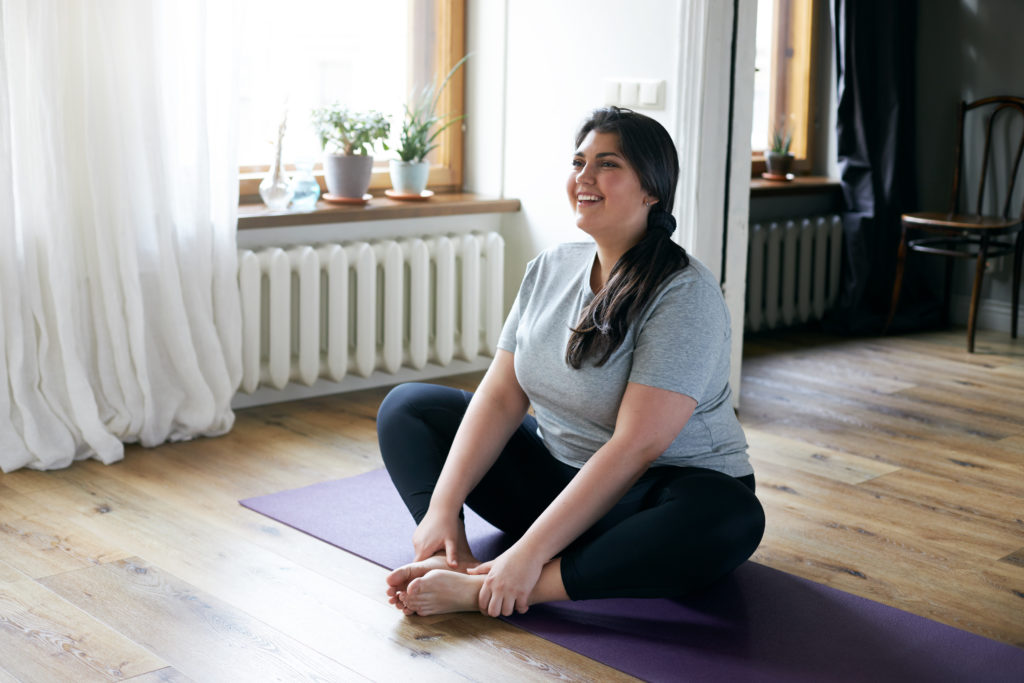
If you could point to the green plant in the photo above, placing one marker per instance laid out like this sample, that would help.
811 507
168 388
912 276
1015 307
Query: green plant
421 124
781 140
350 132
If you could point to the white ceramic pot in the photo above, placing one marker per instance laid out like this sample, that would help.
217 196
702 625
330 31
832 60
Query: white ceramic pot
409 177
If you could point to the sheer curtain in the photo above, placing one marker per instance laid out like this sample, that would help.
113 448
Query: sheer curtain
119 314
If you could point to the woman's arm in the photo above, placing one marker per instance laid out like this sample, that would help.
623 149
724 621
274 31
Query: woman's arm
649 419
494 413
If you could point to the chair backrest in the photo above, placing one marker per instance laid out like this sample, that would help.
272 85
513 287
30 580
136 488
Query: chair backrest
998 171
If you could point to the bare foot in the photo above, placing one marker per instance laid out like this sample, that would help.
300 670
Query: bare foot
440 592
398 580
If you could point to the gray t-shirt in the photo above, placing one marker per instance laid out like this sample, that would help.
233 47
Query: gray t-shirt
679 342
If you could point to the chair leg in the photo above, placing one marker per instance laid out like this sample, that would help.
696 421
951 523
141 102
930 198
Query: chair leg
1018 256
901 259
979 273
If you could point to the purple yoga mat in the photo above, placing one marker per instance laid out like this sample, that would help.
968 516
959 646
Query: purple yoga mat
759 624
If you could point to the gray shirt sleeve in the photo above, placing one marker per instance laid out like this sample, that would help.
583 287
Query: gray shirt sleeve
507 339
681 340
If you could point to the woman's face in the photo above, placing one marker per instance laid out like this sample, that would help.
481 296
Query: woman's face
605 191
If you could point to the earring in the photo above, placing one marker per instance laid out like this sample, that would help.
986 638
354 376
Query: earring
647 204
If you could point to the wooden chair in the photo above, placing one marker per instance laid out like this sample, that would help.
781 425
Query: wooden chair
974 235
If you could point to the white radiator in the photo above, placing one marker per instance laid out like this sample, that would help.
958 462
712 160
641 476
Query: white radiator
331 310
792 271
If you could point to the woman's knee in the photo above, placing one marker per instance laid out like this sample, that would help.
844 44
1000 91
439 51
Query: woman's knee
398 417
726 509
414 416
740 524
418 401
399 401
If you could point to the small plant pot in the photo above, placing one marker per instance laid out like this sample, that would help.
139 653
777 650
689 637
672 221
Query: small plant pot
348 175
409 177
778 164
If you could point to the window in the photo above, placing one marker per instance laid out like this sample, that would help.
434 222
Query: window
365 55
784 92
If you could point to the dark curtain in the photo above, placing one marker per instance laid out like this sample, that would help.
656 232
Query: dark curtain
875 67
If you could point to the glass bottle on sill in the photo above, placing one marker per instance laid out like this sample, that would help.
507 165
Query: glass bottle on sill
276 188
306 190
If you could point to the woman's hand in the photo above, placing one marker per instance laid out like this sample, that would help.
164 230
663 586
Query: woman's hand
511 578
439 532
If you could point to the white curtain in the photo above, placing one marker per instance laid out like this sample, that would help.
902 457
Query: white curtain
119 313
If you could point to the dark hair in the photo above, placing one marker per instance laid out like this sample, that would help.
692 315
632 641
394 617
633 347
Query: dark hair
649 149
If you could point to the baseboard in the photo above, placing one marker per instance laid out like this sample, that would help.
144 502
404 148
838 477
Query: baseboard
295 392
992 315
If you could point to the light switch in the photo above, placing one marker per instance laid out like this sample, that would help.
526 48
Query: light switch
629 93
611 92
652 94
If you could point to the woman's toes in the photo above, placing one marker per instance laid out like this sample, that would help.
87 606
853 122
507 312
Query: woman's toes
406 603
399 577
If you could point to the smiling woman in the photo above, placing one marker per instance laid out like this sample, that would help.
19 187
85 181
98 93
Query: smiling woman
365 56
631 478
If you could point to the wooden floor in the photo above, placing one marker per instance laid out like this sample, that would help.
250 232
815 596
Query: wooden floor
890 468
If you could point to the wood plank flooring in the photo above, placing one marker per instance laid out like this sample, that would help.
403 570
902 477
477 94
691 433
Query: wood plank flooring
892 468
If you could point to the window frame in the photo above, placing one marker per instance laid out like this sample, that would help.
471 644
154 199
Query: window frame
446 162
797 29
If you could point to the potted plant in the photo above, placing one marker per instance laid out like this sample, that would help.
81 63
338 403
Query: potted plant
347 138
420 128
777 159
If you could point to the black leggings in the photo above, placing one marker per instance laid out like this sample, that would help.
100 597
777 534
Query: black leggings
676 530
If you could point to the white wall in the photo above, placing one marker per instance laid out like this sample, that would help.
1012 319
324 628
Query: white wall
559 55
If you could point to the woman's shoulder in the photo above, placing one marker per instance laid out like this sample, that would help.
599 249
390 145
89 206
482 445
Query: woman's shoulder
561 258
566 252
694 275
694 287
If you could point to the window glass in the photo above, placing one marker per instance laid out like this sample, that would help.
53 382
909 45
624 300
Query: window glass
783 97
760 135
309 53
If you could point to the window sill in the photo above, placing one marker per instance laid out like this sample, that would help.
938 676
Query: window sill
377 209
759 187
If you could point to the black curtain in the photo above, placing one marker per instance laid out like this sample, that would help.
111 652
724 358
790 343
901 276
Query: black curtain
874 42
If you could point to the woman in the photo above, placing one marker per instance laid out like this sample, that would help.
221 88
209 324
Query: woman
633 478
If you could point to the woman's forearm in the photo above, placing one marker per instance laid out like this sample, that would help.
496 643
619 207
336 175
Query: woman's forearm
494 413
484 431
